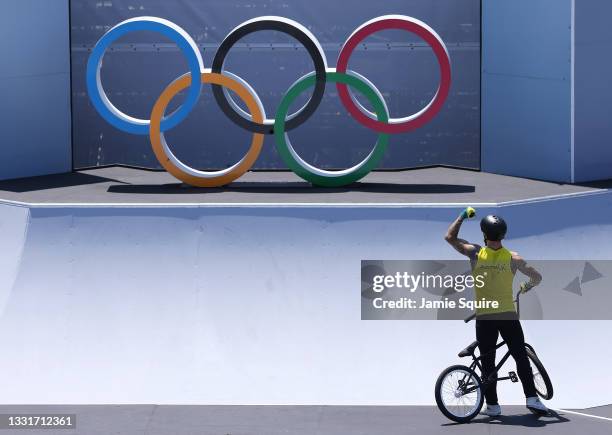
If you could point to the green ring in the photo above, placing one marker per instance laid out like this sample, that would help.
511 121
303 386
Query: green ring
309 172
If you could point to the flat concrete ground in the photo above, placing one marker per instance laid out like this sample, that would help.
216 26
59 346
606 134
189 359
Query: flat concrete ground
427 185
307 420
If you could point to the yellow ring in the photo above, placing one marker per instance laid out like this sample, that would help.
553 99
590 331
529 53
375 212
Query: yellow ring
172 164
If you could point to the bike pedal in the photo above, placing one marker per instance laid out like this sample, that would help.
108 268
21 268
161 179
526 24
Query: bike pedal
513 376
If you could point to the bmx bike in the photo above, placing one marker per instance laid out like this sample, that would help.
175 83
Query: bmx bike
460 390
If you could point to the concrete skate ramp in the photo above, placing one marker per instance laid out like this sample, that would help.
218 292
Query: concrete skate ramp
13 227
260 305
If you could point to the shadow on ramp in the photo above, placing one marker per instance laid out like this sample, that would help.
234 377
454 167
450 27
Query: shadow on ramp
292 187
525 420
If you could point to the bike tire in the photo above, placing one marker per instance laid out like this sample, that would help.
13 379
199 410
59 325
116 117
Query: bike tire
547 392
441 404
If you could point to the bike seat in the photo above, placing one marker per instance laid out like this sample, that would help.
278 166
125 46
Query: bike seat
469 350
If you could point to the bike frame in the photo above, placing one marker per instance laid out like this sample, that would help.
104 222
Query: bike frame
476 363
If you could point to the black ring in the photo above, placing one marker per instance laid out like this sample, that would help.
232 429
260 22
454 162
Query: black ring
279 24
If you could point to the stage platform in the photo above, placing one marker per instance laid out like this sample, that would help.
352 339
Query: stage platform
438 186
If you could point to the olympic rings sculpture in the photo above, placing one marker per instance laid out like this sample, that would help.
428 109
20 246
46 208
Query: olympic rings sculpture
255 120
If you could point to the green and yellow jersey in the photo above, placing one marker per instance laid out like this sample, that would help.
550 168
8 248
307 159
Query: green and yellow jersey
495 268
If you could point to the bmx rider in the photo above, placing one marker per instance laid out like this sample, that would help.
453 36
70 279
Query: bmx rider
497 265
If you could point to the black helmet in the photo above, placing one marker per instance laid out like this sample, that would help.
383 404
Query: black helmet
493 227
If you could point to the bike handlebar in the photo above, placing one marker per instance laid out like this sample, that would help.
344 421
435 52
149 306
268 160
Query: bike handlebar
516 301
468 319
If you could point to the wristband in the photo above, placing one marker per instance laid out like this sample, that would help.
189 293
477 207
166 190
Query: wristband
469 212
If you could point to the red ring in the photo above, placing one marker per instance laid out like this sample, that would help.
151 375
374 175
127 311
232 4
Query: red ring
430 37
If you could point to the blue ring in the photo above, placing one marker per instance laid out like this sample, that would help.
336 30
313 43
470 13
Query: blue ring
184 42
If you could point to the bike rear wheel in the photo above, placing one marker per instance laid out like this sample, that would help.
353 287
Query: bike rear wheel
451 398
541 379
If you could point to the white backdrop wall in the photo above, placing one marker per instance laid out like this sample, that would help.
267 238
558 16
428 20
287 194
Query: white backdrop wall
35 88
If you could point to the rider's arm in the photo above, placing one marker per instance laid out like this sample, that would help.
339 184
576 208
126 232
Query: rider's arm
462 246
534 276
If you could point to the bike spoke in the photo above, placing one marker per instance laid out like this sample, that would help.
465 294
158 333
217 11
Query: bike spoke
456 402
538 380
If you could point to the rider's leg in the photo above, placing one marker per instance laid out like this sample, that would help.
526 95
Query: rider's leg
512 333
486 334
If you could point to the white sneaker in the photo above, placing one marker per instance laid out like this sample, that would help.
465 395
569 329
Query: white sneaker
535 406
492 410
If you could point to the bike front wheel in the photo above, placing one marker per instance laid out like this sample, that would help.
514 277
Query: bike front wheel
541 379
459 393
